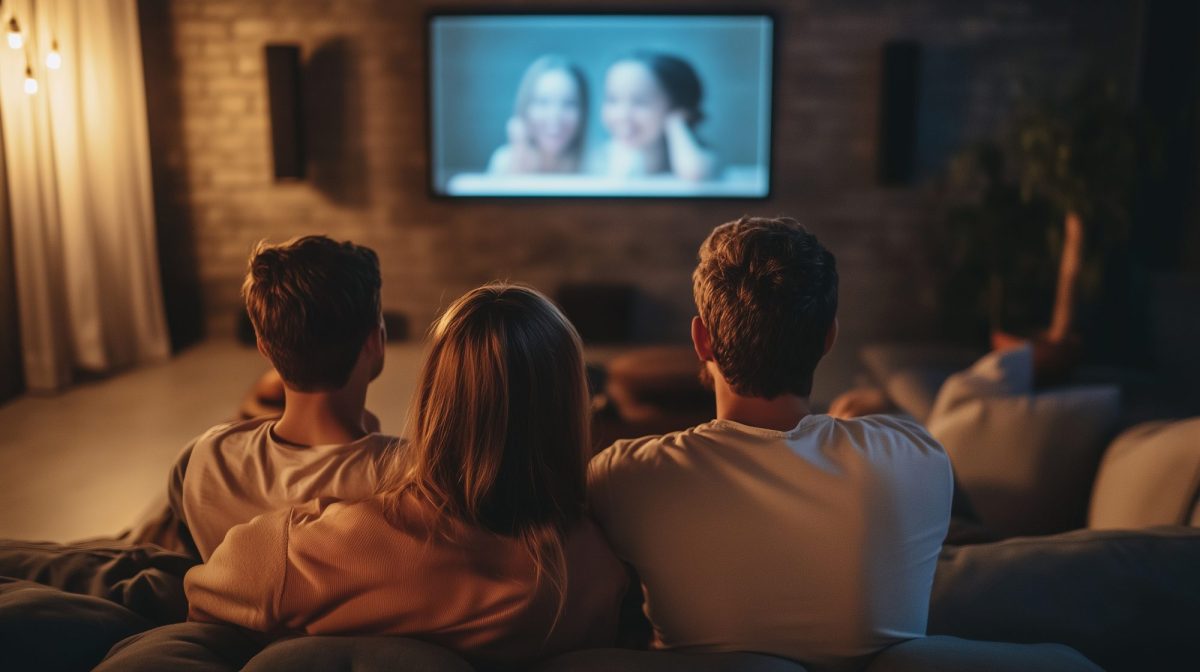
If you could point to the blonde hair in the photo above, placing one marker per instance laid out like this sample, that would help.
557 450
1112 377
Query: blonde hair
498 424
553 63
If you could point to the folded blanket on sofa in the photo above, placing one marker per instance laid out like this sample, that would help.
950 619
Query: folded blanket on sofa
44 628
185 647
145 579
204 647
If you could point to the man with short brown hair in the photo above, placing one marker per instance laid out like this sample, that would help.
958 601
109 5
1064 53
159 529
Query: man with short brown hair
314 303
773 529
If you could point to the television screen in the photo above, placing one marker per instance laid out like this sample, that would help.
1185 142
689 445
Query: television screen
600 105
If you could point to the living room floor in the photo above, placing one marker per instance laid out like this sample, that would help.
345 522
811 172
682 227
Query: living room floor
90 461
93 460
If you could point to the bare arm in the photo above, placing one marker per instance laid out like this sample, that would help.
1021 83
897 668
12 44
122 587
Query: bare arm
689 159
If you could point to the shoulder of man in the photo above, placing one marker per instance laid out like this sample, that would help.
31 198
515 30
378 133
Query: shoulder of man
896 423
898 438
630 455
384 450
217 435
214 443
641 448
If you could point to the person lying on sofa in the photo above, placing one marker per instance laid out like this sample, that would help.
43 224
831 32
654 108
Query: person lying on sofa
478 539
772 529
315 307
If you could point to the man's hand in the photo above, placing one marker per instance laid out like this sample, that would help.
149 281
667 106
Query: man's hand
859 402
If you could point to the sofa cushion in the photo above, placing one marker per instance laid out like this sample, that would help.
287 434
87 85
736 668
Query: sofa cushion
145 579
1126 600
360 654
1025 459
951 654
624 660
1149 476
184 647
44 628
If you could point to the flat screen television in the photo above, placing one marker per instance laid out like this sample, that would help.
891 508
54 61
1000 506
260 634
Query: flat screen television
600 105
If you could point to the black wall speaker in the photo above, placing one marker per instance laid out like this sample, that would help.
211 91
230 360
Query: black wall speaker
286 109
898 112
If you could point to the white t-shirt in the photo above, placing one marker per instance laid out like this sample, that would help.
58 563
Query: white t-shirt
234 472
816 544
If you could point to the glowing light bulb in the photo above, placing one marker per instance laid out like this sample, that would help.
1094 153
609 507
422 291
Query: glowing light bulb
15 41
31 85
54 59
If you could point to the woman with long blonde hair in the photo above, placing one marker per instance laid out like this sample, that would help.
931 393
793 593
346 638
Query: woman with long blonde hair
478 539
548 128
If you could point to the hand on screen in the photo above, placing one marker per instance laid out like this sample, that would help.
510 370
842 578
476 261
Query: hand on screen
690 160
679 117
518 135
524 155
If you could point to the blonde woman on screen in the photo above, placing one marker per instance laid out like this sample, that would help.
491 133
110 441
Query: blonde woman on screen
546 131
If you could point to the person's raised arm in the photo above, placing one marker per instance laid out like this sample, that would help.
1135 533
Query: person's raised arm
689 159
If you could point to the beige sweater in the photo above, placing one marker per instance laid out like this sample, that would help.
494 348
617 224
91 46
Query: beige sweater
342 568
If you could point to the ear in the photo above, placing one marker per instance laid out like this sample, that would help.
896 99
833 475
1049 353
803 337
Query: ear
831 336
262 350
701 340
378 338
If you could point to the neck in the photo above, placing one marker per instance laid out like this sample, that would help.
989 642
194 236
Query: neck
321 418
782 413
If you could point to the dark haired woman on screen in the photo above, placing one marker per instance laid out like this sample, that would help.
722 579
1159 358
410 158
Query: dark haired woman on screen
549 122
651 109
478 540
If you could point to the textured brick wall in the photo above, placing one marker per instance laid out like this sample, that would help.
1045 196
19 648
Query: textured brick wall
216 196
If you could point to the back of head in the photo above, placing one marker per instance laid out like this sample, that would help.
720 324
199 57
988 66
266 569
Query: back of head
499 421
313 302
767 292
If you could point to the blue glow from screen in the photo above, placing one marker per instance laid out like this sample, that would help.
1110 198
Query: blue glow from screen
601 105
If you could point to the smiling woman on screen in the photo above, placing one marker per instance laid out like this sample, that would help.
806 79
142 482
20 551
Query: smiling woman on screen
546 131
651 109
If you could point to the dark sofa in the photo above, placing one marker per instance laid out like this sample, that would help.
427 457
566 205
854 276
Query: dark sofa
1124 600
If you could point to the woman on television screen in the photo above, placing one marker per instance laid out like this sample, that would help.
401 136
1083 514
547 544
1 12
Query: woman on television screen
547 129
651 109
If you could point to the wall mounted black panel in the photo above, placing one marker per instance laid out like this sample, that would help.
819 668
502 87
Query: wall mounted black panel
286 108
898 112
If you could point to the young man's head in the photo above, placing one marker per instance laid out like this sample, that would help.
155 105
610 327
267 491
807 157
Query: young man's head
767 295
314 303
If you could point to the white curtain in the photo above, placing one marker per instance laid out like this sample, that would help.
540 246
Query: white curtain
78 170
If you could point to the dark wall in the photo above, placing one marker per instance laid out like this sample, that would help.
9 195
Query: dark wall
11 372
365 82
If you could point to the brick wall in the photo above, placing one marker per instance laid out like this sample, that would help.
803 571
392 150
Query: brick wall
215 195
